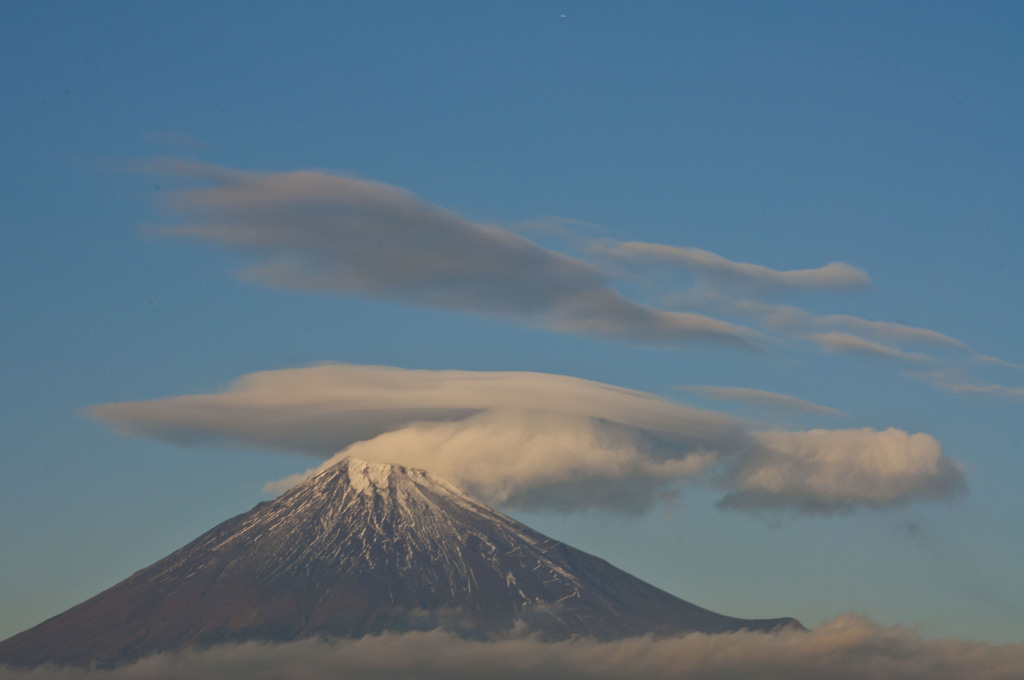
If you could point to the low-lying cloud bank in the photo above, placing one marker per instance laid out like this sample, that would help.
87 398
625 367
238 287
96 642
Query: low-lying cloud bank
847 648
540 440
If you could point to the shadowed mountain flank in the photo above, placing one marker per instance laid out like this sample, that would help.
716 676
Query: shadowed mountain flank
361 549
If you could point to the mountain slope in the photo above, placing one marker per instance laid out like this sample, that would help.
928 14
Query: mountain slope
361 549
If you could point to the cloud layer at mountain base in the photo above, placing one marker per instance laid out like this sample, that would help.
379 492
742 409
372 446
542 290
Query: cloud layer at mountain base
847 648
549 441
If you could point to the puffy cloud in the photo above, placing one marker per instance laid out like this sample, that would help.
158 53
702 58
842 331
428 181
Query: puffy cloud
545 440
320 232
847 648
537 459
772 400
839 470
717 269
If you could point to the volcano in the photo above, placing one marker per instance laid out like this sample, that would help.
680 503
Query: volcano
361 549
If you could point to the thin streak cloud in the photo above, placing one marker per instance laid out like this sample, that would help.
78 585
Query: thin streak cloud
772 400
996 361
705 264
953 382
797 321
844 343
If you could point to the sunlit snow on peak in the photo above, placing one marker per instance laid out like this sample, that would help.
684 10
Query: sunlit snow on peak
366 477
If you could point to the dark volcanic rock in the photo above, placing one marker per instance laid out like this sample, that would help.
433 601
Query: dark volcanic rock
361 549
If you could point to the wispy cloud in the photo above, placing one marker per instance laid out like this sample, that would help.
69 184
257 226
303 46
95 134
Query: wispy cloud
889 330
846 648
316 231
877 339
798 321
954 381
542 440
711 266
772 400
844 343
997 361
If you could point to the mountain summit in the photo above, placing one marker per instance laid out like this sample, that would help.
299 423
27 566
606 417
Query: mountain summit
360 549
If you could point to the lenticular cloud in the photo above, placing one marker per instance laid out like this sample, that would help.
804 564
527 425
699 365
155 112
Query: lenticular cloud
548 441
314 231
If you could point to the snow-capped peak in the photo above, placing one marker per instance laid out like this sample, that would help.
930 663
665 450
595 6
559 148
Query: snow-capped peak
363 548
367 477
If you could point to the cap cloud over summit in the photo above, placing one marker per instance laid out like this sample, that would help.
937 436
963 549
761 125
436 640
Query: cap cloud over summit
543 440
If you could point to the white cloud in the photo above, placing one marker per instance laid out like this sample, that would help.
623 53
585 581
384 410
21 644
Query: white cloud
839 470
717 269
543 440
537 459
315 231
772 400
846 648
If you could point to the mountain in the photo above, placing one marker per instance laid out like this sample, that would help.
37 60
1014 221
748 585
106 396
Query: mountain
360 549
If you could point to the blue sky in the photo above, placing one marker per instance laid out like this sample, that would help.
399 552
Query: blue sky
546 141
